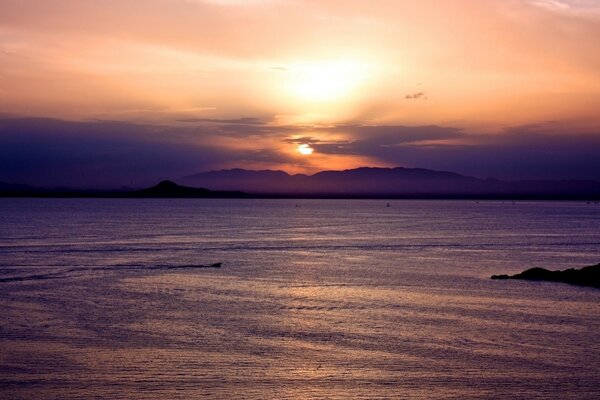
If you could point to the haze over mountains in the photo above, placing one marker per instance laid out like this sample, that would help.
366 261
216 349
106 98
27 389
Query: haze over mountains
381 182
360 182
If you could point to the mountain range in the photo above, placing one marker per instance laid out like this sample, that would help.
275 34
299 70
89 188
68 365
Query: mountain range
384 182
351 183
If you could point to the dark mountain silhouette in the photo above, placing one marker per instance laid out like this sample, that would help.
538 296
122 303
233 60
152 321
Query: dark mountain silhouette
587 276
352 183
165 189
171 189
386 182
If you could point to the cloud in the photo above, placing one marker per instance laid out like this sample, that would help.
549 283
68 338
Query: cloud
50 152
542 151
301 140
569 6
363 136
552 4
416 96
219 58
240 121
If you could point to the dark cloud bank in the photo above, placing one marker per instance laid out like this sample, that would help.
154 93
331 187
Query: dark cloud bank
50 152
529 152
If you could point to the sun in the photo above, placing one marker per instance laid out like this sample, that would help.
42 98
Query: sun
305 149
325 81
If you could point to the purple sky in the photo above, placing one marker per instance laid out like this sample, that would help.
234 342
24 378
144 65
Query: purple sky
110 154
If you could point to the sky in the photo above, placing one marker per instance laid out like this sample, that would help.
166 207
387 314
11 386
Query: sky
125 92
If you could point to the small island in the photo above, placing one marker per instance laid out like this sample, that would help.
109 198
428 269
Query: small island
169 189
587 276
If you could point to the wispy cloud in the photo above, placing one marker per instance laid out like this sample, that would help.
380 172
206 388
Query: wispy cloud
240 121
588 8
234 58
552 4
416 96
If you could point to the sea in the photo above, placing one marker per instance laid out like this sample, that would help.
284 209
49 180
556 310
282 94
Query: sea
314 299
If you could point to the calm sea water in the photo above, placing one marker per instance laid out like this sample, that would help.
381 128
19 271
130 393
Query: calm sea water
315 299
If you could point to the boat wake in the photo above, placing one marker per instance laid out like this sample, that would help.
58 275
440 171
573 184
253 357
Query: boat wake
70 271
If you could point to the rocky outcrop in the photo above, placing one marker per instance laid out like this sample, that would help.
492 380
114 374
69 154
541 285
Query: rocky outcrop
588 276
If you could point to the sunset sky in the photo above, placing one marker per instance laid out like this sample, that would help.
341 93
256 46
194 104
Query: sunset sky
124 92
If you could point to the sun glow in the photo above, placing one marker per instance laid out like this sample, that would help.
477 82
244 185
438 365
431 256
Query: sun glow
305 149
325 81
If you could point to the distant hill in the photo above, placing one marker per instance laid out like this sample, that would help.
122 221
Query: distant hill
386 182
169 189
352 183
165 189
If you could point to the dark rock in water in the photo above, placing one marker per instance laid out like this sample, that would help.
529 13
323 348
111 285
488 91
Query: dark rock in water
588 276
